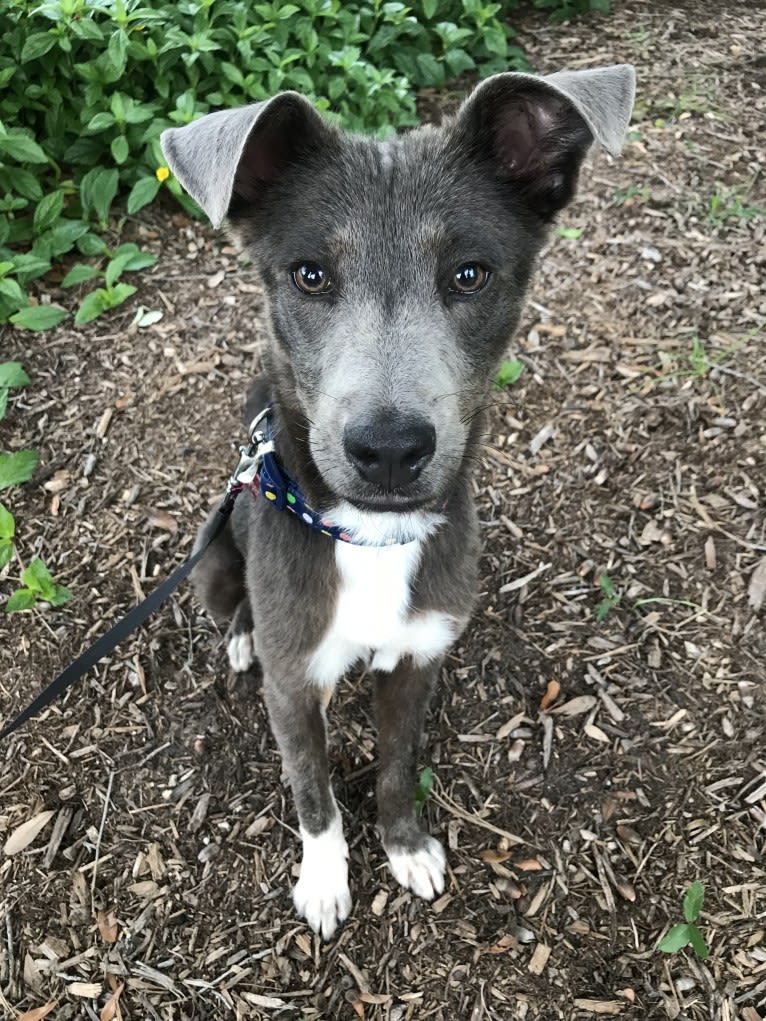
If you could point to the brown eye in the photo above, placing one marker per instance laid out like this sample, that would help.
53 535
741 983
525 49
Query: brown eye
310 278
469 278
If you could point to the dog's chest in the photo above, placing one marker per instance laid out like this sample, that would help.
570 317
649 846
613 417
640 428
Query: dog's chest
373 621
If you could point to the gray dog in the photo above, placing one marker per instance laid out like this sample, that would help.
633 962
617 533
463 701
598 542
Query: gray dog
395 274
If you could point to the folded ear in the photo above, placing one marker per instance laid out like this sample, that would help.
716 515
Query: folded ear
224 158
537 130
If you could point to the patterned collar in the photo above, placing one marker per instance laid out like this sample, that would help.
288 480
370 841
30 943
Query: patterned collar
267 478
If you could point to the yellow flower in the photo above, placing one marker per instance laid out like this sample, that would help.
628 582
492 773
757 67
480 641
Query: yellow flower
162 173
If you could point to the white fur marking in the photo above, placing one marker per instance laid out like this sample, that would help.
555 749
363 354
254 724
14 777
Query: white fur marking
372 620
321 895
241 650
420 871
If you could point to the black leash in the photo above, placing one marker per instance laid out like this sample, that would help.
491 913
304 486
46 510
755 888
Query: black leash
249 459
132 620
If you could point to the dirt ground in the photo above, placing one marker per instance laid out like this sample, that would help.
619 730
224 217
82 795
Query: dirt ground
633 446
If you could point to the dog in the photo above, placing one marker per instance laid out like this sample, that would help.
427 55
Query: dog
395 273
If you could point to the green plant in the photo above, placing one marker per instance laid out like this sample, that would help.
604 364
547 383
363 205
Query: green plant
728 205
687 932
423 789
508 373
15 468
610 600
89 85
570 232
564 10
125 258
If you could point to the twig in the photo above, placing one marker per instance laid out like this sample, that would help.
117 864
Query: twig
473 818
101 832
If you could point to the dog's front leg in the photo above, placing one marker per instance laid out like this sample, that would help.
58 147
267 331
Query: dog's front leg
297 716
402 696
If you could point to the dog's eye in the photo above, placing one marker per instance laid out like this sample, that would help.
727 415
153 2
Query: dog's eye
310 278
469 278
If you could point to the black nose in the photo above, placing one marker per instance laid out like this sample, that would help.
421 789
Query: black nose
391 452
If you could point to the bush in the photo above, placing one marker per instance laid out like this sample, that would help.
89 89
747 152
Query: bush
88 86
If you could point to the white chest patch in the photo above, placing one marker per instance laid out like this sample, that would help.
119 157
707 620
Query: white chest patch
372 620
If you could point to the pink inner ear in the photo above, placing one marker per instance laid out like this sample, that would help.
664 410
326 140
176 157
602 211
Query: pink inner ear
520 126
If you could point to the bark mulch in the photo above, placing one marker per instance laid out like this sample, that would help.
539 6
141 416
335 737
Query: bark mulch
598 738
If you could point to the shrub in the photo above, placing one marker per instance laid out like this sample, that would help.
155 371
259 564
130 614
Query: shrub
87 86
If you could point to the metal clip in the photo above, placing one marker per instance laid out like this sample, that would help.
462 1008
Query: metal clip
250 455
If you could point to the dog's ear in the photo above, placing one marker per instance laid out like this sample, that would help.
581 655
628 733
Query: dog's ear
536 131
224 158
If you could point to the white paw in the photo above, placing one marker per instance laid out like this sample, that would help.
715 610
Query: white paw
321 895
241 650
421 871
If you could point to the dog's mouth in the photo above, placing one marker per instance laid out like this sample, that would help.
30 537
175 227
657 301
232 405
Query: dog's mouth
392 504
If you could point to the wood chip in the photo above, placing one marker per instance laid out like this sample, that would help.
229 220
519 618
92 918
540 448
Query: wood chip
87 990
613 1007
756 590
711 560
539 959
576 706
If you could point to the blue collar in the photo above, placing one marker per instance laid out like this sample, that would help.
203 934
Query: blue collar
271 481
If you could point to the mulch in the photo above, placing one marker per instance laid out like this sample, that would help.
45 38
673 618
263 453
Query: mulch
593 755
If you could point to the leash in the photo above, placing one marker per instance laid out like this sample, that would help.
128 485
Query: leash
250 459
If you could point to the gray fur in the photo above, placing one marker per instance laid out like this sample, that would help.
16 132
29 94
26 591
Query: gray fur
390 222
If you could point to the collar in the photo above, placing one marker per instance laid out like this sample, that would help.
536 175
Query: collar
260 471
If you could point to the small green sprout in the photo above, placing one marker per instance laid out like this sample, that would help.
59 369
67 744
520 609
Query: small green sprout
610 600
508 374
423 789
687 932
573 233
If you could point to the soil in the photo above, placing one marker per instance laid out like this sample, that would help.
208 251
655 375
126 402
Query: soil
593 756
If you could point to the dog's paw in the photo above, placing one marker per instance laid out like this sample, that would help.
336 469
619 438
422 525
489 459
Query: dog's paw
421 870
321 895
241 650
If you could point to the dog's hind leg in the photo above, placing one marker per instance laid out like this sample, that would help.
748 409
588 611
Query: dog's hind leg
401 698
296 714
219 582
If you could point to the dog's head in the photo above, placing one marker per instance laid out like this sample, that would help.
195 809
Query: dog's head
395 270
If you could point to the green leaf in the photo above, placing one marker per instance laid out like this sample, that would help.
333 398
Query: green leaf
142 193
29 267
27 184
97 191
36 45
120 149
59 596
423 789
22 148
7 524
91 244
11 290
79 274
3 403
22 599
37 577
12 375
140 260
699 945
91 306
120 293
429 8
48 211
675 940
570 232
606 585
6 552
693 901
39 317
17 468
100 121
508 373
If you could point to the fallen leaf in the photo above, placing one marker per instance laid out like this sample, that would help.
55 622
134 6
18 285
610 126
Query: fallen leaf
375 997
494 857
111 1008
304 943
23 835
528 865
576 706
37 1013
756 591
506 942
107 926
161 519
552 692
596 733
